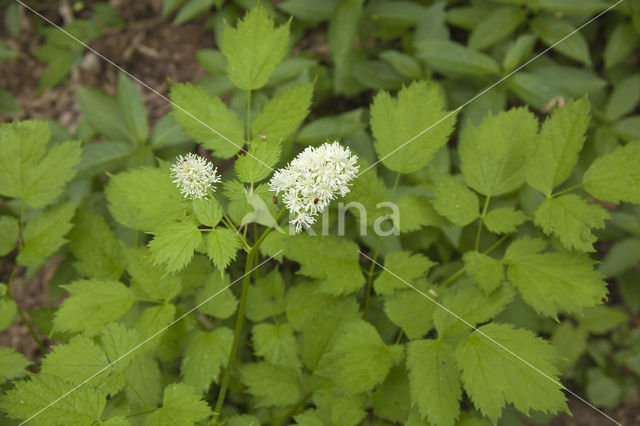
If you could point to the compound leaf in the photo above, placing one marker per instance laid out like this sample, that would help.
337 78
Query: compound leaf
173 245
615 176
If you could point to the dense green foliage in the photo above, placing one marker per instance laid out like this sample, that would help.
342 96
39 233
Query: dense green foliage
481 299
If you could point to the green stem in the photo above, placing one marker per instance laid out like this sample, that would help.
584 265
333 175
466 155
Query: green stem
240 318
21 314
248 115
564 191
481 225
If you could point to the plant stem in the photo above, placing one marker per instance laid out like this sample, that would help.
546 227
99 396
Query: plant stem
564 191
240 317
481 225
21 314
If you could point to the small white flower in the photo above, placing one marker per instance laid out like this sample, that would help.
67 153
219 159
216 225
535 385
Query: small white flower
194 175
313 179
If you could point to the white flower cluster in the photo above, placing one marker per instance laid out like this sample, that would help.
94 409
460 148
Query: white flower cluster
194 175
313 179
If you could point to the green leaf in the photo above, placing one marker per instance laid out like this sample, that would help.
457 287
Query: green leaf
494 153
342 35
222 246
154 281
331 260
620 43
492 376
119 342
570 218
394 122
571 7
92 304
12 364
434 381
173 245
9 229
504 220
83 406
485 271
208 211
204 356
132 109
284 113
103 113
258 163
207 119
416 212
551 30
253 49
553 282
308 10
78 361
8 104
534 89
498 25
153 322
624 98
265 298
601 319
449 57
144 376
192 9
273 386
277 344
181 405
358 360
402 63
28 169
8 311
331 127
410 311
144 199
471 304
519 51
222 302
44 235
558 146
454 200
391 400
615 176
100 157
95 247
404 264
624 255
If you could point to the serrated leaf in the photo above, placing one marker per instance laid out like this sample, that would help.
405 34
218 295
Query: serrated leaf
277 344
180 405
102 112
265 298
274 386
95 247
449 57
615 176
119 342
492 376
204 356
407 265
454 200
132 109
81 407
30 170
571 218
9 228
192 9
414 213
358 360
551 30
257 164
553 282
485 271
173 245
207 211
501 22
331 260
222 247
80 360
44 235
396 121
91 304
12 364
153 280
494 153
136 197
471 304
504 220
284 113
391 400
222 302
144 382
253 49
152 324
207 120
558 146
410 311
434 381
